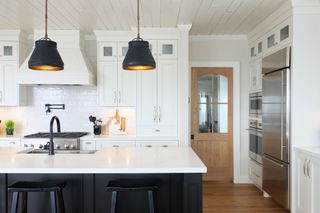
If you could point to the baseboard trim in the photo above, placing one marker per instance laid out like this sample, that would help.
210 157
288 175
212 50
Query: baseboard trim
242 179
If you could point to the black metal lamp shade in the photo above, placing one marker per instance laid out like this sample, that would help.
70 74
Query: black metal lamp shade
138 57
45 57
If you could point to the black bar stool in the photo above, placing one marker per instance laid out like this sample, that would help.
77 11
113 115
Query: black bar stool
23 187
129 185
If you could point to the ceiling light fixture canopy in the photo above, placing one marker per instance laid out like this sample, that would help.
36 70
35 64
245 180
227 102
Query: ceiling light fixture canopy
138 57
45 56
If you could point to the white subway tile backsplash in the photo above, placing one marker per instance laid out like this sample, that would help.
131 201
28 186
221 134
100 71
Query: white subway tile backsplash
80 102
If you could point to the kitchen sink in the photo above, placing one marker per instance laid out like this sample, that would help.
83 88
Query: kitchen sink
41 151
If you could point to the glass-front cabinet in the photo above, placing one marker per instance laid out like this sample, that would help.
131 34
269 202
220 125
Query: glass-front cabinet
108 51
8 51
167 49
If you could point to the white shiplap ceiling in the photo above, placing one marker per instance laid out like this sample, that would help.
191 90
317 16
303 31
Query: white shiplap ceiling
206 16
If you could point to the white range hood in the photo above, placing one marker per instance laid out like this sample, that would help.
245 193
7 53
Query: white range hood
77 68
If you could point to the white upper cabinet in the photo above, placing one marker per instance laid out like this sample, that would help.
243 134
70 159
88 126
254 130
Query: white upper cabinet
158 100
167 49
8 50
108 51
107 83
116 86
255 69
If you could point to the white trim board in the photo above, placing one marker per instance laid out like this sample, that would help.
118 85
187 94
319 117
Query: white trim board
237 178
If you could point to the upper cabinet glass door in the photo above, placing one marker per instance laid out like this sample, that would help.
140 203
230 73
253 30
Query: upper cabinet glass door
108 51
167 49
213 103
8 51
122 49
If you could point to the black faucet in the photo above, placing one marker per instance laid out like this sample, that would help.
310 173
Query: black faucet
51 144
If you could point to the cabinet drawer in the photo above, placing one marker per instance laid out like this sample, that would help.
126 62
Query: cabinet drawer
158 144
88 145
255 173
157 131
105 144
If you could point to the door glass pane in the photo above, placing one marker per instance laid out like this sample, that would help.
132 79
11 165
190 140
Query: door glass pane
7 50
107 51
167 49
220 118
124 51
260 47
213 103
205 118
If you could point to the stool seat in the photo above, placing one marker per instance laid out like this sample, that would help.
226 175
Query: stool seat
127 185
24 187
28 186
132 185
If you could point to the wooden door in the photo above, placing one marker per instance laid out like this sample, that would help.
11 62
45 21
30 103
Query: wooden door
212 120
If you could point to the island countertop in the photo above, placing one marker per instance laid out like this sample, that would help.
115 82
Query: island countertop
117 160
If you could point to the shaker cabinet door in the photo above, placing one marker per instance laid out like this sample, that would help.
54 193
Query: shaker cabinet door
107 83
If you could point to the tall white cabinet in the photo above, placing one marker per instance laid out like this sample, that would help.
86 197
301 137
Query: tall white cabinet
157 97
116 87
12 51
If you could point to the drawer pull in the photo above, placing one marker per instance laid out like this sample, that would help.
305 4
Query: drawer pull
116 146
149 146
164 146
88 143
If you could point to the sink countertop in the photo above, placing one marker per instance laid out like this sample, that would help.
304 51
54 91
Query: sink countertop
108 161
312 150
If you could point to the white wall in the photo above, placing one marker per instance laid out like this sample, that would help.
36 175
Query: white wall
206 49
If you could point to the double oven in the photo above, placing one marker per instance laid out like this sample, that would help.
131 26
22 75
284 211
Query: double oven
255 104
255 140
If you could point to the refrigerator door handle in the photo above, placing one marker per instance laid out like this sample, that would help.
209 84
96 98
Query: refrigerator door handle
274 162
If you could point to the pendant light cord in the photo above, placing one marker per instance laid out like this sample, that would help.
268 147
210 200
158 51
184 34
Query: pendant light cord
46 22
138 19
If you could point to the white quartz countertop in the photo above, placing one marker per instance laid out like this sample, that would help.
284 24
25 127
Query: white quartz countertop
108 161
127 137
313 150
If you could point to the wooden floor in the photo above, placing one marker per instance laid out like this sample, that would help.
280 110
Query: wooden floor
243 198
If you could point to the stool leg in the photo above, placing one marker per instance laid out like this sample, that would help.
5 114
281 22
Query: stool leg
14 204
24 199
113 201
53 202
151 204
61 202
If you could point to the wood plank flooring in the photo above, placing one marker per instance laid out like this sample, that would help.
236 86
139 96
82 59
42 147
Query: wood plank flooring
242 198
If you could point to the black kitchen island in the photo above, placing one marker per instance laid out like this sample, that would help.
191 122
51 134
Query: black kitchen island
177 171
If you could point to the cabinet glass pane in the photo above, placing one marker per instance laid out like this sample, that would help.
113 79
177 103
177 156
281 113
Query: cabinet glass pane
124 51
271 40
213 103
7 51
107 51
252 52
167 49
260 47
284 33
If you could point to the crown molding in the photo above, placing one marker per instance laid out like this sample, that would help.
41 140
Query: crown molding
217 37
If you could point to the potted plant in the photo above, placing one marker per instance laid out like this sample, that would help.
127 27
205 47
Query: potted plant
9 127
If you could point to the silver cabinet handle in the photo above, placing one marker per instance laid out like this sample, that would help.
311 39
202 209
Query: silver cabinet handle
149 146
115 97
12 142
164 146
119 97
116 146
308 168
155 114
88 143
304 167
159 114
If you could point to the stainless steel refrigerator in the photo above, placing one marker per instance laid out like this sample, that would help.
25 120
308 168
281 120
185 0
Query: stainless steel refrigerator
276 126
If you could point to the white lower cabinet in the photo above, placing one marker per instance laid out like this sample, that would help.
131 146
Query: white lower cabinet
104 144
255 173
157 144
88 145
307 185
9 142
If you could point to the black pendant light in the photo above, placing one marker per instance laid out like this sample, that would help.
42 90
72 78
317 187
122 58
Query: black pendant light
45 56
138 57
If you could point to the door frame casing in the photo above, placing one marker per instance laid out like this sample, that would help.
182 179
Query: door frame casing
235 65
